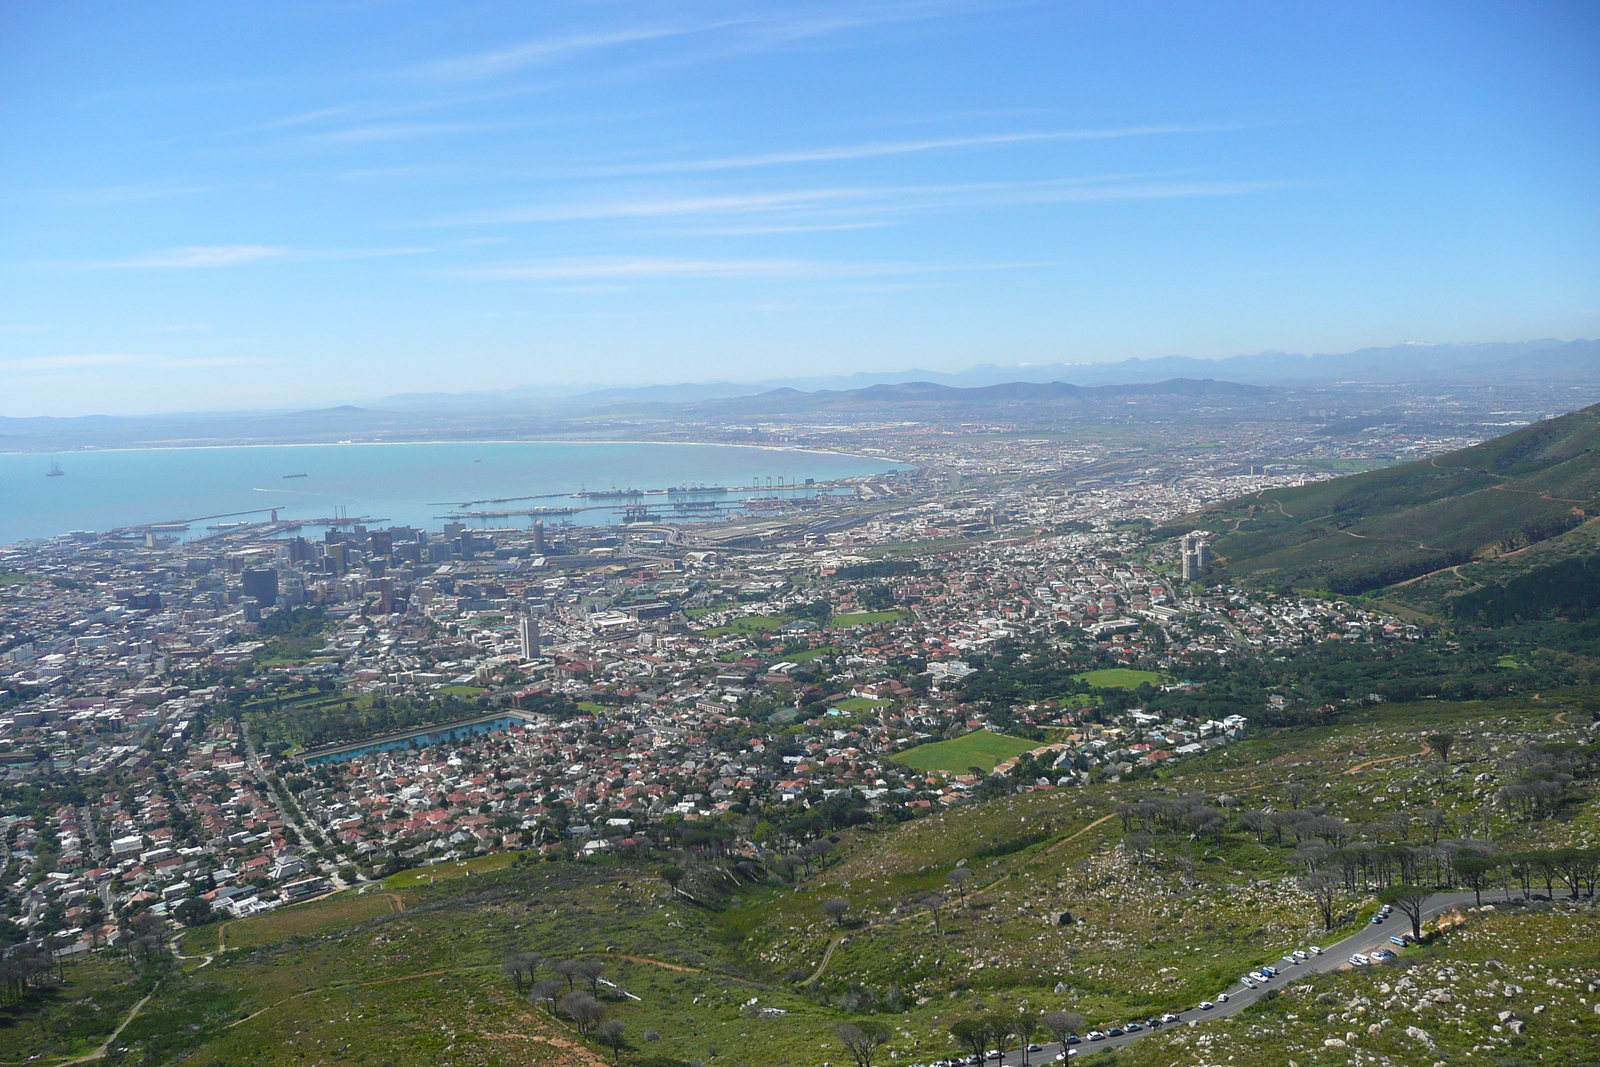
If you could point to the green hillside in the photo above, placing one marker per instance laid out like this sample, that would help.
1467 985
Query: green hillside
1367 531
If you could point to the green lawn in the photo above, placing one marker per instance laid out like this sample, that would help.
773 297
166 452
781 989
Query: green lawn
859 704
1121 678
810 654
981 748
866 618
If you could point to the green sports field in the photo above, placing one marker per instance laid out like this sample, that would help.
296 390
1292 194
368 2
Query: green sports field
981 748
1121 678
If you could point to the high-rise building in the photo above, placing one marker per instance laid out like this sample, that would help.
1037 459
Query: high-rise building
538 536
260 583
528 633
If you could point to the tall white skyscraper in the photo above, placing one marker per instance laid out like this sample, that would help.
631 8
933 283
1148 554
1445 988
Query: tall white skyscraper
528 634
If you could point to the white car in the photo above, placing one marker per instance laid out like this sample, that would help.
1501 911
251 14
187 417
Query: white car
1360 959
1222 998
1315 950
1259 977
1247 982
1206 1005
1301 954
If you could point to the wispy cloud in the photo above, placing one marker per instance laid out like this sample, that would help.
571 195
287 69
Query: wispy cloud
835 201
194 256
530 53
379 132
617 268
208 256
736 35
880 149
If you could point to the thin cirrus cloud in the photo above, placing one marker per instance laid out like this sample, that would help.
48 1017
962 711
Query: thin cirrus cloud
622 268
747 34
844 153
200 257
834 201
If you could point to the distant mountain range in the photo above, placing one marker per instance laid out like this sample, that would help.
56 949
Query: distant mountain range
1542 360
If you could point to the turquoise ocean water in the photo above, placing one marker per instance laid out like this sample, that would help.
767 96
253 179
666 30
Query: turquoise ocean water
392 484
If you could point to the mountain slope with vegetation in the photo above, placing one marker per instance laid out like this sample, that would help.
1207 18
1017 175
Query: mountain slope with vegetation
1361 533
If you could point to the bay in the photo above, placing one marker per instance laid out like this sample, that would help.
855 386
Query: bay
410 484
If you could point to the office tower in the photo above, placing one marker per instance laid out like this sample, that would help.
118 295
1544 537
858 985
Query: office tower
262 584
528 633
538 536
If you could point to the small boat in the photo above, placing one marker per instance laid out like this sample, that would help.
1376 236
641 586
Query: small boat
302 474
55 470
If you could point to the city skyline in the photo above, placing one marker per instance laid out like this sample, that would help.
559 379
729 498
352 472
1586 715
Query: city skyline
309 205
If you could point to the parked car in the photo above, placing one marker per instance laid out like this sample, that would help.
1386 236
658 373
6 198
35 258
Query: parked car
1315 950
1222 998
1169 1017
1247 982
1206 1005
1384 954
1377 920
1360 960
1260 976
1300 954
1095 1035
1132 1028
1074 1039
1115 1031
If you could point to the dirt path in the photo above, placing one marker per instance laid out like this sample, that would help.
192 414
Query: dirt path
100 1053
1387 759
663 964
826 956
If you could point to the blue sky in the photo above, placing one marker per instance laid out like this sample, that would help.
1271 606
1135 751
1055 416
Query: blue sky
281 204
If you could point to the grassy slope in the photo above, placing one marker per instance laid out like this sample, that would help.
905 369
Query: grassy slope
351 980
1396 523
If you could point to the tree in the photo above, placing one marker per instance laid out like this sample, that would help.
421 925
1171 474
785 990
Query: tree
836 908
1061 1024
971 1035
862 1039
958 880
1324 888
193 911
672 876
518 964
1474 871
546 992
1442 744
567 969
933 902
584 1011
1410 899
590 971
1025 1025
1002 1030
610 1032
